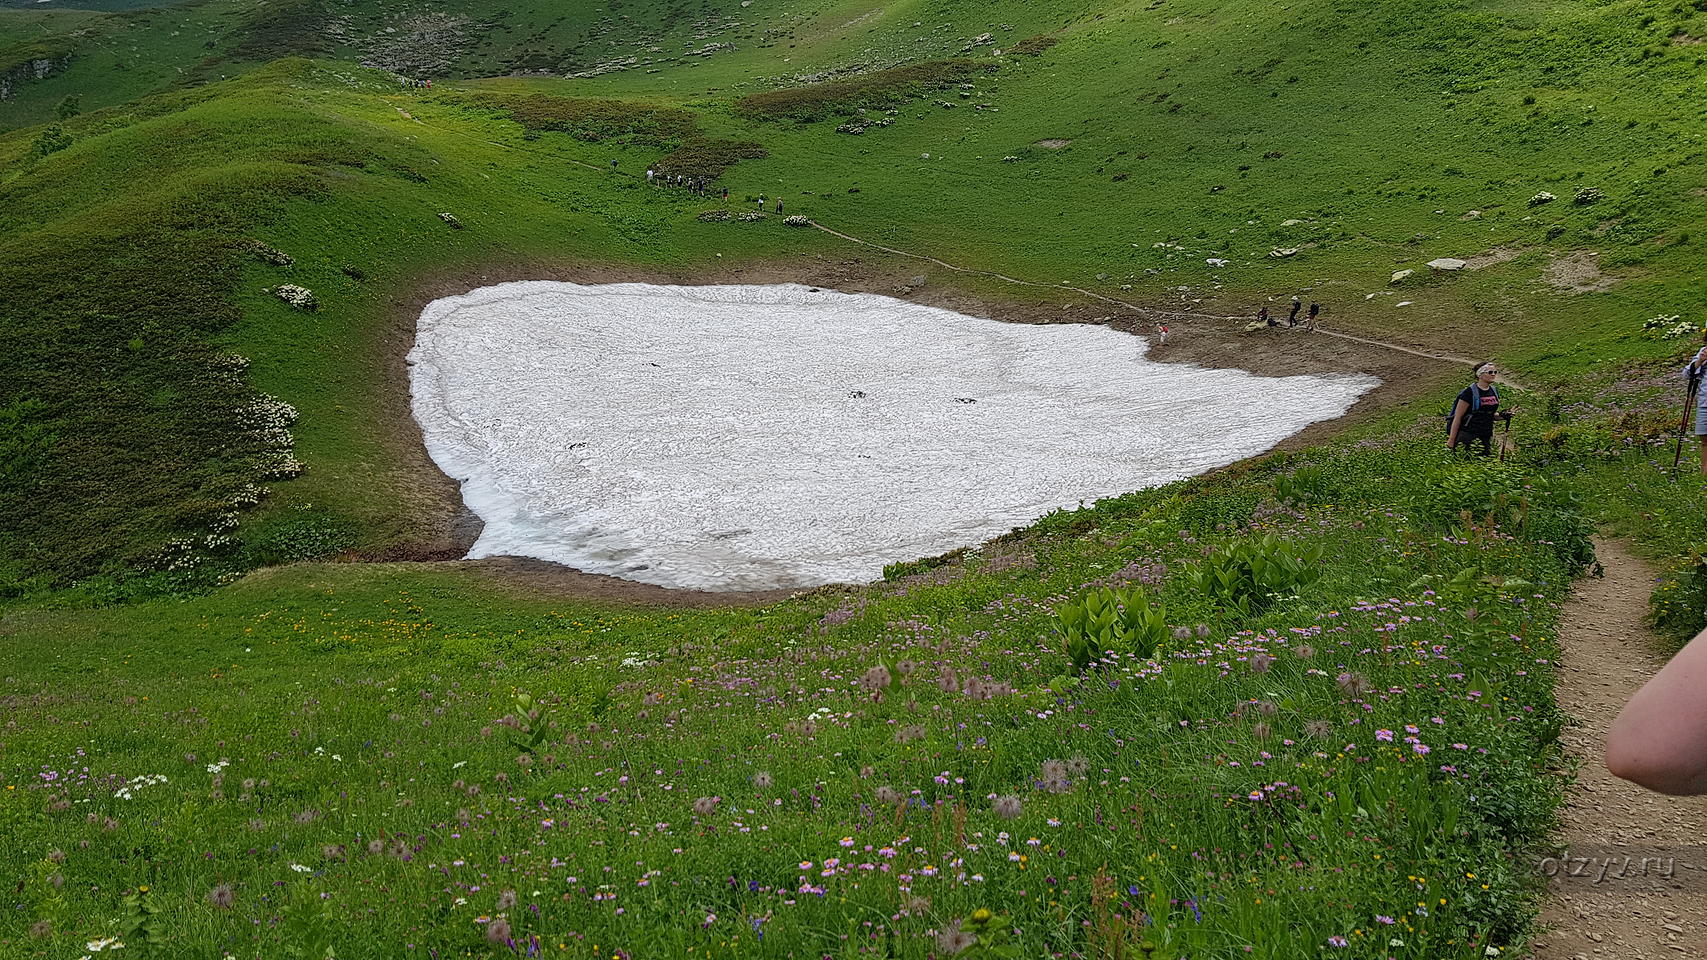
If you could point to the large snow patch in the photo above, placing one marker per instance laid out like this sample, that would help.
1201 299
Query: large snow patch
743 436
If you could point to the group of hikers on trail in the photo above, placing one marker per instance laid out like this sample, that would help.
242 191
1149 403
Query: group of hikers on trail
698 186
1291 317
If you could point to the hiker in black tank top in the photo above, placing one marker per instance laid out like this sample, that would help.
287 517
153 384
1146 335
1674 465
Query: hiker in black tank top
1474 412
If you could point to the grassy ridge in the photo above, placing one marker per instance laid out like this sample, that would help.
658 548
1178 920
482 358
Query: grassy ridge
1173 156
316 755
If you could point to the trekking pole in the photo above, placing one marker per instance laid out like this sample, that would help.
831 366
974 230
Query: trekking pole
1505 438
1683 424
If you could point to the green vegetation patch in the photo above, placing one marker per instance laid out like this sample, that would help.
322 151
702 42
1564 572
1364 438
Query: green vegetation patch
593 119
1034 46
884 88
1089 745
706 157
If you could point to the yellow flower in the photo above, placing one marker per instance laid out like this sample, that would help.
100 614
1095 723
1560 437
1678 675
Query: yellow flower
981 915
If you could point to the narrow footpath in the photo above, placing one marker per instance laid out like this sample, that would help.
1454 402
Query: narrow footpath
1615 905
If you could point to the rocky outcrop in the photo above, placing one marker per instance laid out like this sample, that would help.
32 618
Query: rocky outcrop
29 71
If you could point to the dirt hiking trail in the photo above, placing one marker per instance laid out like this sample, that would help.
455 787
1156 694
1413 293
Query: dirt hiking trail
1607 653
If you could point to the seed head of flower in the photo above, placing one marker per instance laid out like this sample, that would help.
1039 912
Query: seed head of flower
1182 633
1078 766
306 816
222 897
906 667
1202 630
1053 770
1320 729
876 678
1353 684
917 905
1267 708
1261 731
56 855
506 901
332 851
867 772
762 780
888 796
951 942
41 928
704 806
375 847
1261 662
524 761
1007 807
1304 651
498 932
945 680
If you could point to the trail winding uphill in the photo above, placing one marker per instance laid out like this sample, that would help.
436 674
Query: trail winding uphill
1157 312
1607 654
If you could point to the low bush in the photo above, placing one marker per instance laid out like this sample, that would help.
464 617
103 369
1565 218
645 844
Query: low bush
593 119
883 88
1108 621
705 157
1246 577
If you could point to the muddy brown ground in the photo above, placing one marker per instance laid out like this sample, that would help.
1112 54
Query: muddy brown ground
1634 910
442 528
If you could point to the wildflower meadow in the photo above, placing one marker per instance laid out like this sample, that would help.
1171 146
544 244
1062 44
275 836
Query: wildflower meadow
1343 762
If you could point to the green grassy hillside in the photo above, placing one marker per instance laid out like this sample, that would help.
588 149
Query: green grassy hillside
1195 135
169 426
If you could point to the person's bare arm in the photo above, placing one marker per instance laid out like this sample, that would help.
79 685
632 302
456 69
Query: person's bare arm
1660 738
1458 412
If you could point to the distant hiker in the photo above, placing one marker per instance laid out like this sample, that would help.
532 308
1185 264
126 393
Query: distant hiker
761 203
650 173
1474 412
1266 320
613 164
1162 331
725 193
1697 398
1315 308
779 206
1292 318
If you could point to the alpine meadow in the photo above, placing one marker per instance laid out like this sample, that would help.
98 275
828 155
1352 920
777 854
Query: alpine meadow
809 478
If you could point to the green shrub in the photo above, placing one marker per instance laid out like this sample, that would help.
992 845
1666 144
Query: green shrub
1033 46
1107 621
1678 606
705 157
1478 488
1249 576
592 119
884 88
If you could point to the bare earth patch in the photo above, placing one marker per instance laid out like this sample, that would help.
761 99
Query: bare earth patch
1494 256
1577 272
1053 143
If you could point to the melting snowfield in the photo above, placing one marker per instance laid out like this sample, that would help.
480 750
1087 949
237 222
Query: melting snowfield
746 437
